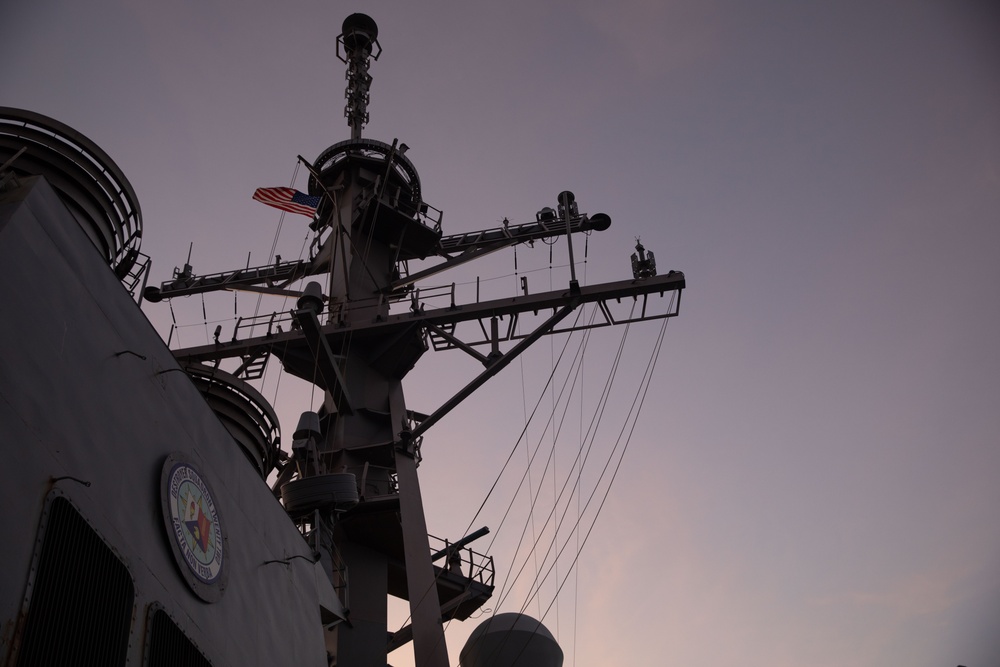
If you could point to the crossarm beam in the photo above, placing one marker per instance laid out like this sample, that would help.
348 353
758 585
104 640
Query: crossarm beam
473 245
625 289
497 365
281 273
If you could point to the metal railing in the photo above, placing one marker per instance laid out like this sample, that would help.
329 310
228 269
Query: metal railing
464 562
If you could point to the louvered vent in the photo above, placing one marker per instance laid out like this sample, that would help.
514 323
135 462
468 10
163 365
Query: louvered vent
167 646
80 610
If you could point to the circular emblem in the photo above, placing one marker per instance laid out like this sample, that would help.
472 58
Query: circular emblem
194 527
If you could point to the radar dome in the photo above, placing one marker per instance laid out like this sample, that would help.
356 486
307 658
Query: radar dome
511 640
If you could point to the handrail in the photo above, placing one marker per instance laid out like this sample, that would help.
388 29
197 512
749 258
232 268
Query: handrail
85 176
473 565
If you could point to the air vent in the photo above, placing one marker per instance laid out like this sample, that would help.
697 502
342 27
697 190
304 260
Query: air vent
82 598
168 646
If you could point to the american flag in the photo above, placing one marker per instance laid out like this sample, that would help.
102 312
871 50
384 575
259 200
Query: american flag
288 199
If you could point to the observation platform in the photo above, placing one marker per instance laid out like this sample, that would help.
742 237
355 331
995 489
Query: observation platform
86 179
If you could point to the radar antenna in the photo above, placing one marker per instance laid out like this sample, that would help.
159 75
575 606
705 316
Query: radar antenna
643 262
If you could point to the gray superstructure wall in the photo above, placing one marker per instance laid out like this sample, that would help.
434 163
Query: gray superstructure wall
91 405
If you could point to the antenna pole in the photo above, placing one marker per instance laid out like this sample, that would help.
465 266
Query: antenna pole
359 36
568 209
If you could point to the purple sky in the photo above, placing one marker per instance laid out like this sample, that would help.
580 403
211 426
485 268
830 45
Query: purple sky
814 477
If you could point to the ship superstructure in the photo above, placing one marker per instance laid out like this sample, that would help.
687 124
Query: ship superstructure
349 530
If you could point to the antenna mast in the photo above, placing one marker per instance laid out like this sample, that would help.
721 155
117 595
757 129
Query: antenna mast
351 483
359 34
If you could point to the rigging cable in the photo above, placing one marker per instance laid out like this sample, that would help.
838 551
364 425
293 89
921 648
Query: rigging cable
640 397
284 301
591 433
576 491
552 452
174 327
274 242
510 456
579 355
634 410
517 443
527 452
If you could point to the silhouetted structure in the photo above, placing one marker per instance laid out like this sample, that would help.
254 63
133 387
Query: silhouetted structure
136 530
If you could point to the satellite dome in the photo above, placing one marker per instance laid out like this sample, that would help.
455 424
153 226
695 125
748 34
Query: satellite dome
511 640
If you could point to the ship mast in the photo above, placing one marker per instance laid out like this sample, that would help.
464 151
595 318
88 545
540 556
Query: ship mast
359 38
351 482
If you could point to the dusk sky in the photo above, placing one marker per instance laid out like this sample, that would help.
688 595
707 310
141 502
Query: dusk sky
815 475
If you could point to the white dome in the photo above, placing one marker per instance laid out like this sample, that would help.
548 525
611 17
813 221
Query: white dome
511 640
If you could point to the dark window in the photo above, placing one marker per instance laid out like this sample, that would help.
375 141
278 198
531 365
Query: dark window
167 646
80 609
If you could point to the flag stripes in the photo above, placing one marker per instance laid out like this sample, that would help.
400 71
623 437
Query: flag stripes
288 199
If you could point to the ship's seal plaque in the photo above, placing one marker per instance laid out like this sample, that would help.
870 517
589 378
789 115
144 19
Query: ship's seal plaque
194 527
